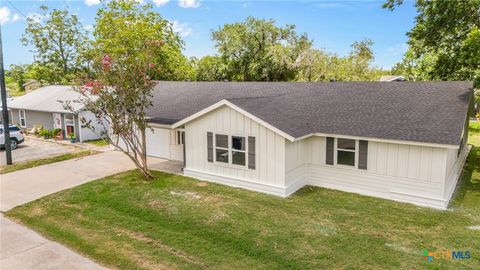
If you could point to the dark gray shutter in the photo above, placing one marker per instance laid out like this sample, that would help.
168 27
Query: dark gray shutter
210 146
251 153
329 157
363 155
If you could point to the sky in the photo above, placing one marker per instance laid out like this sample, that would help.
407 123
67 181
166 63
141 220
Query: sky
332 24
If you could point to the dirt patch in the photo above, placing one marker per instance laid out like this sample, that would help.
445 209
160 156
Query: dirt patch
156 204
141 237
186 194
202 184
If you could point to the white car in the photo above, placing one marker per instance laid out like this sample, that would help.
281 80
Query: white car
16 137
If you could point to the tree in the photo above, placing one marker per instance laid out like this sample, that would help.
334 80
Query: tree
58 38
17 72
258 50
118 97
123 27
211 68
318 65
444 42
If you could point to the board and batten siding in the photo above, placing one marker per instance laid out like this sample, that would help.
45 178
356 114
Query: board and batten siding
269 173
400 172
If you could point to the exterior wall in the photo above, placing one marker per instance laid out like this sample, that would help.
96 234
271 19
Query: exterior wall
86 133
407 173
269 173
162 143
34 118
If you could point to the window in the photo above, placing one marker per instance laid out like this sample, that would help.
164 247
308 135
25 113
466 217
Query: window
238 150
221 148
231 149
346 152
180 137
23 121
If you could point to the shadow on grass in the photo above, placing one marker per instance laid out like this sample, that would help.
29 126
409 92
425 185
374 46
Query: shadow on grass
468 187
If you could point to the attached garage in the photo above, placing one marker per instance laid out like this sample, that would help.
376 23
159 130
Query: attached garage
165 143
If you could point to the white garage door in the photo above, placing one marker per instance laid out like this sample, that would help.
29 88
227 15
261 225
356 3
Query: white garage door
158 142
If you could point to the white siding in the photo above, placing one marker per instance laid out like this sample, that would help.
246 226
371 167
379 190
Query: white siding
87 133
269 174
401 172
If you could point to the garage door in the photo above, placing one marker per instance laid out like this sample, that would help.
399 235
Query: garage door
158 142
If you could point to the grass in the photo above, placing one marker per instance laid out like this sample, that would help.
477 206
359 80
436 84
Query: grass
173 222
99 142
37 162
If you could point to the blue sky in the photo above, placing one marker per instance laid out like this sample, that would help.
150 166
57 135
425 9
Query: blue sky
333 25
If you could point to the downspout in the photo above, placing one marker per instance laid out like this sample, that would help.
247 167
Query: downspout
184 151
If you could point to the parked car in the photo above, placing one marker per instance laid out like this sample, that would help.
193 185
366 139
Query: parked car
16 137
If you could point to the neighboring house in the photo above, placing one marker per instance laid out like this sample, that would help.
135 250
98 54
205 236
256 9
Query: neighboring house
394 78
403 141
43 107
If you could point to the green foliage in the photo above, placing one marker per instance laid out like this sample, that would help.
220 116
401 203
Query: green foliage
59 40
45 133
126 27
258 50
211 68
17 74
318 65
444 44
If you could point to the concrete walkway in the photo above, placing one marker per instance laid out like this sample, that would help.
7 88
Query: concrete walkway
22 248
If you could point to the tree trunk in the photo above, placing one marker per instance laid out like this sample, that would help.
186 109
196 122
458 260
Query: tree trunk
143 158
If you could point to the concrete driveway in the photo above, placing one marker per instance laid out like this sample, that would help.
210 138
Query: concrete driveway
34 148
22 248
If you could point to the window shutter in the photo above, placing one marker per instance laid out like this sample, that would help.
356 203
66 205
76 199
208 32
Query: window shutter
210 146
329 156
363 155
251 153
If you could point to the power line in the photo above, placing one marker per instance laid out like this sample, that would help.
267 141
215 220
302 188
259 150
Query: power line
18 10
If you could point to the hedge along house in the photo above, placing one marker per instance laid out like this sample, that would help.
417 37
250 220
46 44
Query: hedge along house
403 141
43 107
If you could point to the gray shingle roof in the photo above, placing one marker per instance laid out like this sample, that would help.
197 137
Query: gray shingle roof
429 112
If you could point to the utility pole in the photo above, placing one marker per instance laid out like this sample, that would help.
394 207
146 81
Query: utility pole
6 121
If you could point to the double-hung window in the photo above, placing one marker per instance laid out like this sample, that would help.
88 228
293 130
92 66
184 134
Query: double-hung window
231 149
221 148
238 150
23 121
346 152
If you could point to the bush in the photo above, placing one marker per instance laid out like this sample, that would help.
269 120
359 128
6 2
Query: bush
56 131
45 133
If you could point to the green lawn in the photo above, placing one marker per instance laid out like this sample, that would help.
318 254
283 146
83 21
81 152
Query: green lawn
99 142
37 162
176 222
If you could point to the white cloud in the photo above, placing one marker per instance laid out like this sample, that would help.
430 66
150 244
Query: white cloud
15 17
183 29
189 3
92 2
88 27
160 2
4 15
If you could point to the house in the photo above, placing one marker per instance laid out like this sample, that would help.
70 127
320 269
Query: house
404 141
394 78
43 107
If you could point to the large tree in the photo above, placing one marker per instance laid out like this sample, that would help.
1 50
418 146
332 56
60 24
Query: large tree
125 27
211 68
258 50
58 38
444 43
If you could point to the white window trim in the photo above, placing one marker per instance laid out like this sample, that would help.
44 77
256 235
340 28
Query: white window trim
179 139
230 150
335 154
24 118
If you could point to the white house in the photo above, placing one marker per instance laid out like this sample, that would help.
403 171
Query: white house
44 107
402 141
